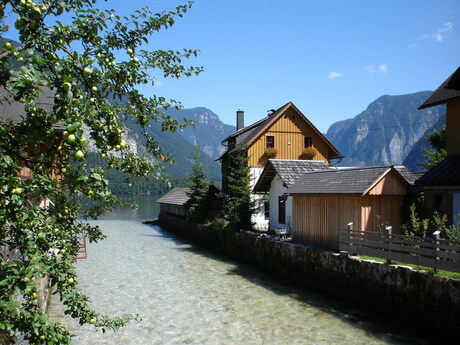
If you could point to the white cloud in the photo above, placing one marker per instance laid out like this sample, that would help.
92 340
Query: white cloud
371 69
334 74
438 36
382 69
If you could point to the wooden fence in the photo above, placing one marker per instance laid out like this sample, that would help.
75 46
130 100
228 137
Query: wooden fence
423 251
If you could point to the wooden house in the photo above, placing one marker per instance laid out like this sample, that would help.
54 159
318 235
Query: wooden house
283 134
175 201
13 111
441 184
275 178
325 201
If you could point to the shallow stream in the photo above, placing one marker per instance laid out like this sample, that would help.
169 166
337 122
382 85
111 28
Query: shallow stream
187 295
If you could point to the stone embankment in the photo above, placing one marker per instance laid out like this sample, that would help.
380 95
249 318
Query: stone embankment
428 303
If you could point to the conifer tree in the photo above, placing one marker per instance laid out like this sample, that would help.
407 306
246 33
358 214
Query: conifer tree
438 140
199 185
240 206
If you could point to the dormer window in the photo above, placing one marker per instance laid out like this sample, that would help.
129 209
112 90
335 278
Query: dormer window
270 141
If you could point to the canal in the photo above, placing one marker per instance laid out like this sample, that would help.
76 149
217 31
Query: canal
187 295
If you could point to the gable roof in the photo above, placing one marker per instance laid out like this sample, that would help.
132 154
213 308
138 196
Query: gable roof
178 196
11 110
446 173
247 135
289 171
355 181
448 91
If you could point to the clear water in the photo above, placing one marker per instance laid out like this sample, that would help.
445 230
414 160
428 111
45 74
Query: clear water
186 295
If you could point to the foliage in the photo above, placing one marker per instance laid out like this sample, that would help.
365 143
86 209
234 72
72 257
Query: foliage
309 152
416 226
239 205
438 140
453 231
271 152
96 57
199 203
420 226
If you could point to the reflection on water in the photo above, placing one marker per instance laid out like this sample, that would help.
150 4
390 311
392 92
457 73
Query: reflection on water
186 295
147 208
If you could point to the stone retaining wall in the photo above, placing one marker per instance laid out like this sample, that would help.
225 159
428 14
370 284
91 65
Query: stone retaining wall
428 303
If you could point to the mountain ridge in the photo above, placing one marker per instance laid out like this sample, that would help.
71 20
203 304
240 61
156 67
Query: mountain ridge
385 132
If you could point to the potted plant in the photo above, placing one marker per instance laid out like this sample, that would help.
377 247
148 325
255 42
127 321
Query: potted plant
309 152
271 152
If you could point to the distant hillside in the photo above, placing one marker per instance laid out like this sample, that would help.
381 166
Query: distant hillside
386 131
208 131
416 156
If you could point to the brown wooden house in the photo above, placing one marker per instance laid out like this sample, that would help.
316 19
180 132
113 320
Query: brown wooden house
285 130
441 184
13 111
325 201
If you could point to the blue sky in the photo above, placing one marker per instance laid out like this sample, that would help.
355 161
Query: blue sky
331 58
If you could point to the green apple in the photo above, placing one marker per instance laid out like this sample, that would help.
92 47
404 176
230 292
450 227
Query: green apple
67 86
71 138
79 154
94 89
122 143
19 23
92 321
41 235
70 281
92 100
16 191
87 71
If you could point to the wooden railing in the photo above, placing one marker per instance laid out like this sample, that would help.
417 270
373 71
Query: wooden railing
424 251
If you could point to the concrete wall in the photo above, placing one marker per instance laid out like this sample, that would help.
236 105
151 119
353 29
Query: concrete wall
429 303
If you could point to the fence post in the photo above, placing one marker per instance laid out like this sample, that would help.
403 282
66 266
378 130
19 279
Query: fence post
389 229
437 234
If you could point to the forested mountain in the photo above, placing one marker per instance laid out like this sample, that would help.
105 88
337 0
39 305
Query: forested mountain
208 131
386 132
416 158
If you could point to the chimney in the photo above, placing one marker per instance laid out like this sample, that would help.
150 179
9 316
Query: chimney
239 119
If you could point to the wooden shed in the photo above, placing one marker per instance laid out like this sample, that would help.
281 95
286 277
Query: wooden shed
325 201
175 201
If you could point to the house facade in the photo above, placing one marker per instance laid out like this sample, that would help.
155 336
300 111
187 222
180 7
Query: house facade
441 184
326 201
283 134
275 178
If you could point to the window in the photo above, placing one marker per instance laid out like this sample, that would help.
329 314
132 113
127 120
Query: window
282 209
270 141
267 209
308 142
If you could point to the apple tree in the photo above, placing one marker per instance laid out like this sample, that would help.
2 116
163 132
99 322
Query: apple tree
90 62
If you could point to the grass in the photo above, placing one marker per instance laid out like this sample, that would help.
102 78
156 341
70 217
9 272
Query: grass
442 273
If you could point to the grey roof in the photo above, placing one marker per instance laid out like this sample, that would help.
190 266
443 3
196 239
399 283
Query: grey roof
289 171
446 173
340 181
178 196
247 134
448 91
409 176
11 110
